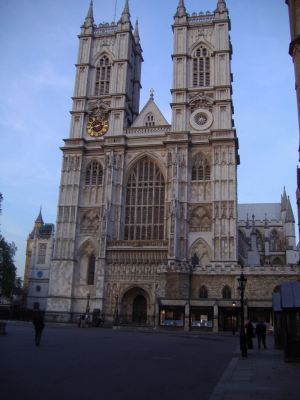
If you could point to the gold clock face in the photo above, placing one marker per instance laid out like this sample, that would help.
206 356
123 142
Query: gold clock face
97 126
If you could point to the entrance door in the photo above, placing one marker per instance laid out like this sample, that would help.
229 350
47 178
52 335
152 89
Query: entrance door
139 310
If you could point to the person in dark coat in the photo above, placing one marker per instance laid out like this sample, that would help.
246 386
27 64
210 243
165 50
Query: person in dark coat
249 334
38 323
261 330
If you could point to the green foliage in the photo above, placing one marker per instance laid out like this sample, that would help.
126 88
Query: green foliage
7 267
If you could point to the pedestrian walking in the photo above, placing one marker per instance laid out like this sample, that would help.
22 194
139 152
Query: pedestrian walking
261 331
38 323
249 334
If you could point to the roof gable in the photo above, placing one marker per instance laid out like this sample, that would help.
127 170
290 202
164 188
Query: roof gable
150 108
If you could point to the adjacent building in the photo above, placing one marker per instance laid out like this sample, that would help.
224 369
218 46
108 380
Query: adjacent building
294 50
39 251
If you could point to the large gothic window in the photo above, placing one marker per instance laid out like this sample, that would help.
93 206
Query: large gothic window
201 67
103 73
145 198
93 174
274 241
91 270
200 169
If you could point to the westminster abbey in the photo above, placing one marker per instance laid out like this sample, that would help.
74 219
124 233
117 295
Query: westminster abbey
149 230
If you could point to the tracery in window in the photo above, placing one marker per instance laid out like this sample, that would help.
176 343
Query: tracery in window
201 67
200 169
103 74
94 174
91 270
145 199
226 292
203 292
150 120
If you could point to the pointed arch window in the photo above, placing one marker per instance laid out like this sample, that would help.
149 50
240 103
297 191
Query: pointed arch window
203 292
274 241
94 174
200 169
145 202
201 67
91 270
226 292
103 75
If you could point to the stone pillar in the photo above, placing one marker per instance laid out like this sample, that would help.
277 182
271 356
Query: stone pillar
187 317
216 318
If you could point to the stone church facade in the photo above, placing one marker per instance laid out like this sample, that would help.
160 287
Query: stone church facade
147 224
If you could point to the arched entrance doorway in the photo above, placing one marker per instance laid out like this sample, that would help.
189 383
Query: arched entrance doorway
139 310
134 306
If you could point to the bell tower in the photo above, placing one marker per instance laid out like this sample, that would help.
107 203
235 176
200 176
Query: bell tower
203 131
105 103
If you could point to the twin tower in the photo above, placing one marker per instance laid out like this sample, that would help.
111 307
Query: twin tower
146 209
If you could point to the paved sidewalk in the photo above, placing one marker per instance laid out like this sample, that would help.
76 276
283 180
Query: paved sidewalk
263 375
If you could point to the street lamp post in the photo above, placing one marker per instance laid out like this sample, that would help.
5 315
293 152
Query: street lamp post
233 327
243 345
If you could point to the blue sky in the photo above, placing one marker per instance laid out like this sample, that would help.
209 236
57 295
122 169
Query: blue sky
39 44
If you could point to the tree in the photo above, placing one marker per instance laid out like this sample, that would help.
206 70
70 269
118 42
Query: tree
7 267
8 276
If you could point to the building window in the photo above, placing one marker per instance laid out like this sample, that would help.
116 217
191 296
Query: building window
150 121
91 270
38 288
203 292
226 292
200 169
201 67
94 174
145 202
42 253
103 73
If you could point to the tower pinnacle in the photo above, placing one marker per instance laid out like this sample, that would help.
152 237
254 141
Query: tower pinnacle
221 6
39 221
89 20
125 14
136 32
181 10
